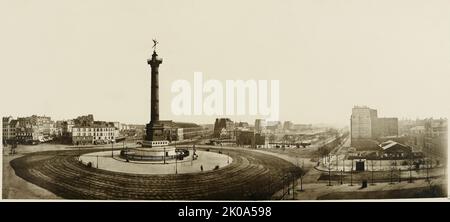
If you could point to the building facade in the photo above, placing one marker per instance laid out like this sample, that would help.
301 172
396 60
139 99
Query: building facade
260 125
222 123
386 127
367 128
8 129
362 122
435 138
250 138
35 129
97 133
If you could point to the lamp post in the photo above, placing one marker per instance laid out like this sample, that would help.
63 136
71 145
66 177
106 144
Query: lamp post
112 149
372 172
411 162
351 175
337 162
270 183
329 171
392 168
380 165
293 185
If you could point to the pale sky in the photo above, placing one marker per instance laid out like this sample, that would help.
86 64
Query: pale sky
70 58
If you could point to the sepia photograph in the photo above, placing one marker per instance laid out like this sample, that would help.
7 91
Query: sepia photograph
152 100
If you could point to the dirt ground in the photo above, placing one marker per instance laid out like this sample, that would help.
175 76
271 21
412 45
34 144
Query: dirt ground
14 187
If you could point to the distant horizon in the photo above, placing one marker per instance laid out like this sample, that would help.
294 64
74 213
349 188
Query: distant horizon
63 59
214 118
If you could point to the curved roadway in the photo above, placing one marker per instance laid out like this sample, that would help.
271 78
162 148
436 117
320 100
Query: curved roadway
251 176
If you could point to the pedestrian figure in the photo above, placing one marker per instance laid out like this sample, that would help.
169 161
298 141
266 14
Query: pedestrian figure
201 168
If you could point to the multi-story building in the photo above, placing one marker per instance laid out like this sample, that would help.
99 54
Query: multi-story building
416 136
84 120
260 125
64 130
34 129
386 127
366 127
242 124
362 122
9 129
223 123
435 137
97 133
429 136
189 131
250 138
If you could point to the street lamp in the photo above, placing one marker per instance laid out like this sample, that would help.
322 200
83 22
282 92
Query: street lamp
112 149
329 171
351 175
293 186
392 168
301 180
411 162
372 172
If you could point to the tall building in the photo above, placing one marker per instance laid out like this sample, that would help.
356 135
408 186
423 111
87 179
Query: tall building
362 122
366 126
222 123
260 125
